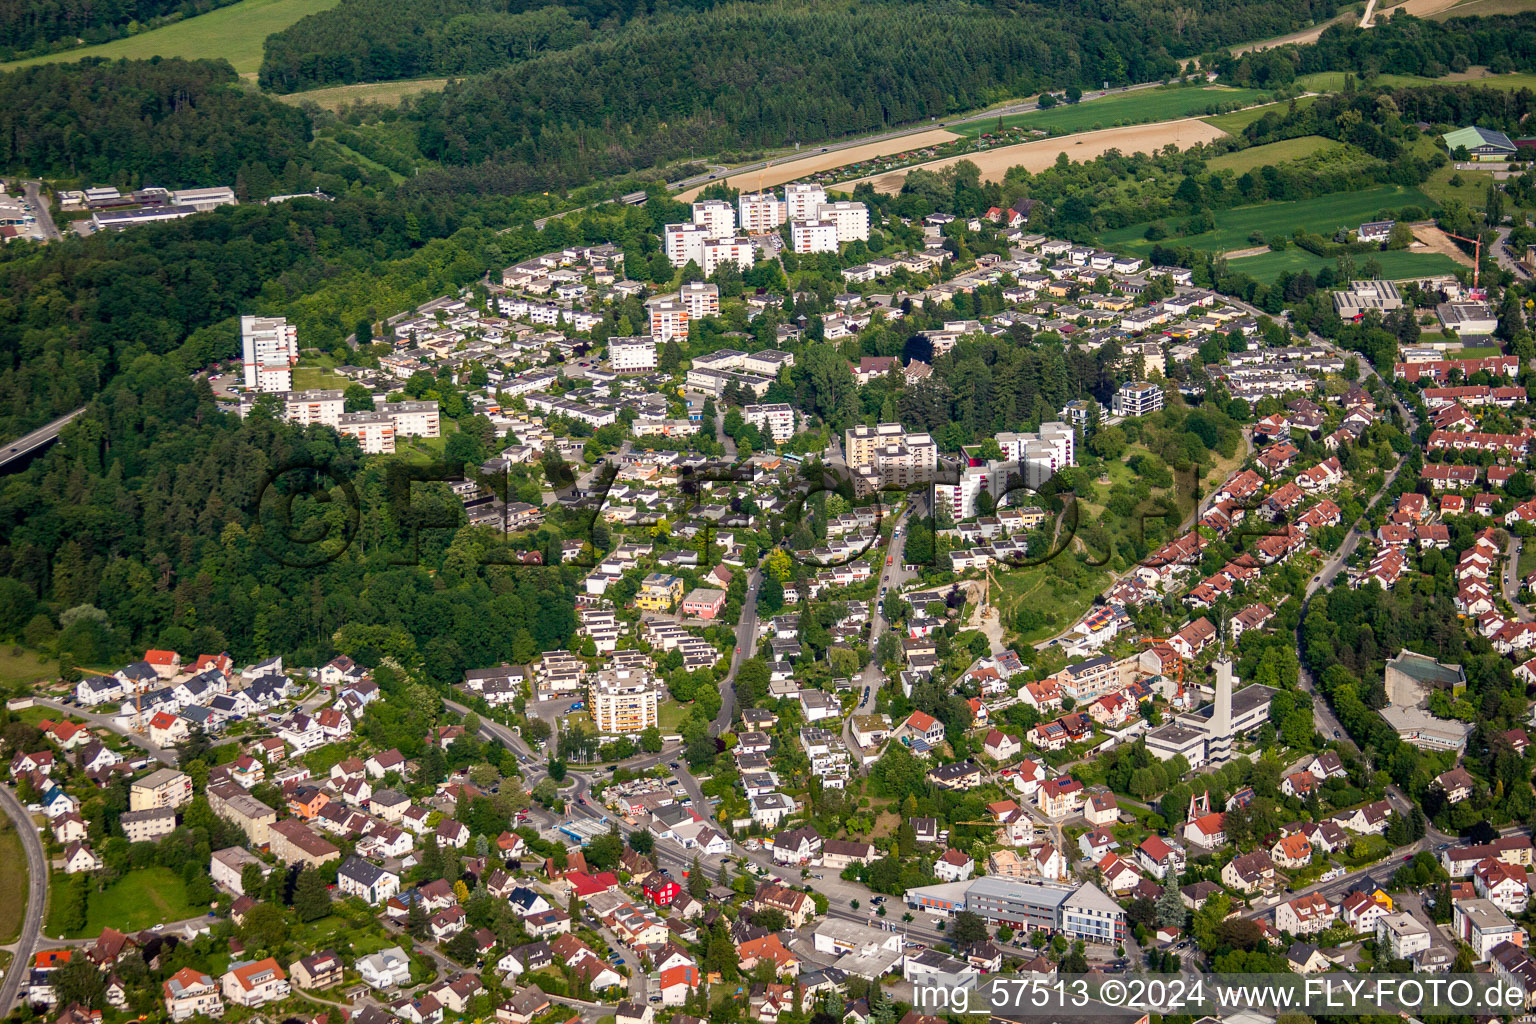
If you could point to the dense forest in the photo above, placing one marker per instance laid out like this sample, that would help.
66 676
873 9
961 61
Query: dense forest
1081 42
380 40
172 123
28 26
148 525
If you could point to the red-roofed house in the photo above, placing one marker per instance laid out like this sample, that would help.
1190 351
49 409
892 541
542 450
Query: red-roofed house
1061 797
165 663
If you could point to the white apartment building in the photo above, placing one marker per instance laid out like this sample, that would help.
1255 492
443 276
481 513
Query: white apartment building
270 347
414 419
715 216
669 319
375 431
802 200
685 242
760 212
960 498
624 700
632 355
738 250
700 299
307 407
1137 398
808 236
776 419
851 218
1041 454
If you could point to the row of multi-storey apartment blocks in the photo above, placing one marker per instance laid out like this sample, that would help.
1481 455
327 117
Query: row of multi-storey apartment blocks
887 455
816 225
375 430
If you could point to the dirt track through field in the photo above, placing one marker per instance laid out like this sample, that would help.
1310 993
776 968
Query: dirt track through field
794 170
1038 155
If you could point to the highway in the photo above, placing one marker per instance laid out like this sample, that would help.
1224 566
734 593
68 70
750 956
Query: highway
44 435
37 892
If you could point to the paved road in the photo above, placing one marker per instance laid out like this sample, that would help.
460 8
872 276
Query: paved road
37 892
1512 579
39 438
1506 259
893 576
746 647
40 208
160 754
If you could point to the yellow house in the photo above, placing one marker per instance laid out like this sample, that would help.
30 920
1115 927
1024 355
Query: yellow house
659 593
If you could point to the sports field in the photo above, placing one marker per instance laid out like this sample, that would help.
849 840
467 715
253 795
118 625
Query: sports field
1136 107
1394 265
235 33
1323 215
1273 153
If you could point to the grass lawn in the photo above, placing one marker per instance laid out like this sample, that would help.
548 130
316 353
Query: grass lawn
1479 352
1321 214
19 665
1237 120
308 378
1395 265
13 881
235 33
387 93
1136 107
1473 187
1061 588
322 933
1273 153
141 898
670 715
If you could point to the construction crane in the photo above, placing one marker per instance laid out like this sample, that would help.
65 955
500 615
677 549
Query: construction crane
1477 254
1179 673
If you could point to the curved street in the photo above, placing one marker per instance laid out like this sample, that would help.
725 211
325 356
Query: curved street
37 895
